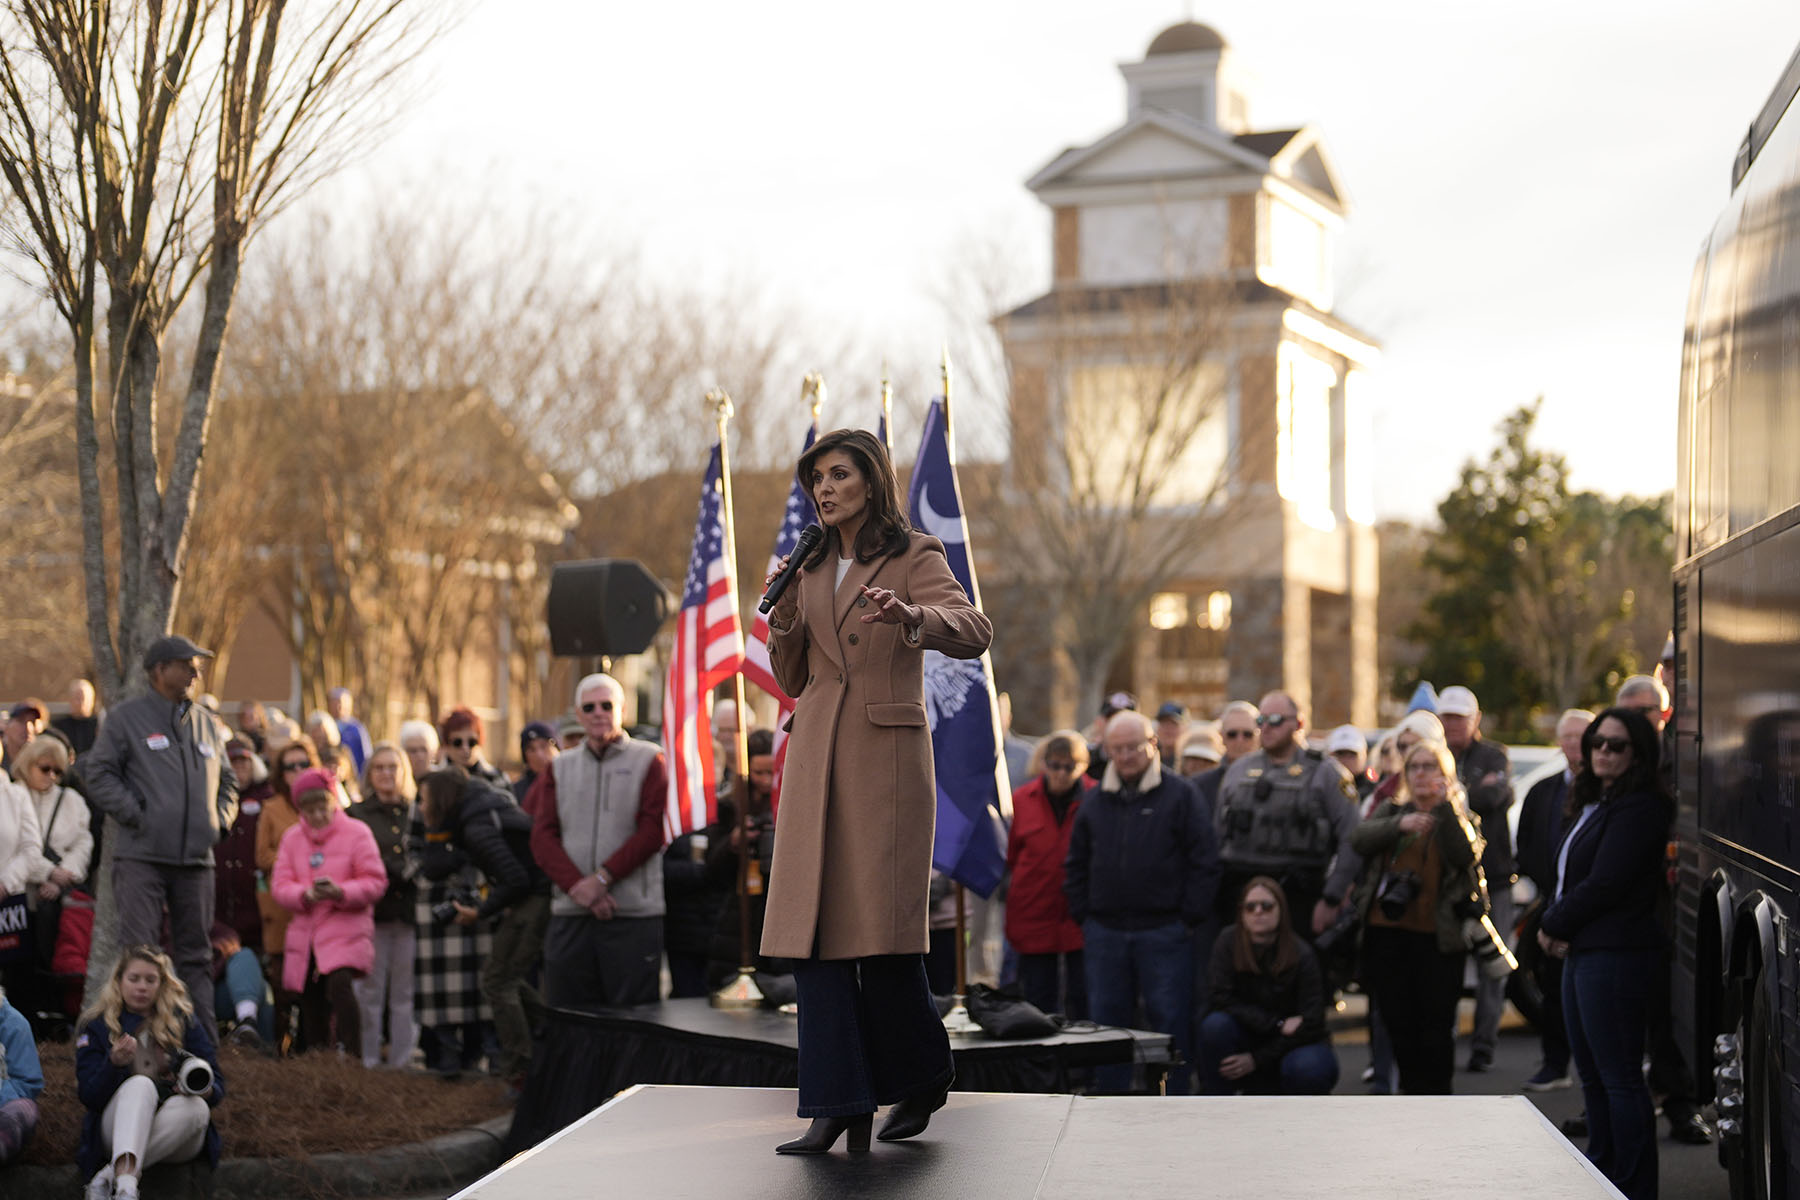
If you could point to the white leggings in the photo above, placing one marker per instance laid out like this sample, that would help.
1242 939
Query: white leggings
134 1123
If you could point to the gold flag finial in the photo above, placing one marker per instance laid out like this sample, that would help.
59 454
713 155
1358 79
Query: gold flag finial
719 400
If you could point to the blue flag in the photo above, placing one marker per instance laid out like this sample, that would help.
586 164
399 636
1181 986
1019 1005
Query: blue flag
959 693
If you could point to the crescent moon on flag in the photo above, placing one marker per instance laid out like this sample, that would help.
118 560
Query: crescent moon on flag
948 530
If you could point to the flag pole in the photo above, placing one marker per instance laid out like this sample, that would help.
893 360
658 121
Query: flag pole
957 1020
887 408
741 992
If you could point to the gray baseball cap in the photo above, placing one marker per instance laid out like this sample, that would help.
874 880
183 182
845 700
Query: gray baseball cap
168 649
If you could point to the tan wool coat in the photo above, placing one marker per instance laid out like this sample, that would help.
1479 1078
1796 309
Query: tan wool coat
852 865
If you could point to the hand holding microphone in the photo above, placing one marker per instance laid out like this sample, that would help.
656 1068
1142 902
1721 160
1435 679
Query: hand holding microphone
778 580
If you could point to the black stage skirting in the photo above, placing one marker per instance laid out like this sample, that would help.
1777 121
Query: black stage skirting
585 1057
719 1143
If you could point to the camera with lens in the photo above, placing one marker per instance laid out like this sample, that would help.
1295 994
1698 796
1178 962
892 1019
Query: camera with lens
193 1074
445 911
1492 958
1396 892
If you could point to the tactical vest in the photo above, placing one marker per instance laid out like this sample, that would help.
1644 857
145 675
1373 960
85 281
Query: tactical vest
1268 818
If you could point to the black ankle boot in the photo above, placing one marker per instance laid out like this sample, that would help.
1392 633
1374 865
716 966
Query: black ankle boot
910 1117
823 1135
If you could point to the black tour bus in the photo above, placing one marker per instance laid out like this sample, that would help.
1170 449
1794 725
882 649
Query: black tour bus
1737 664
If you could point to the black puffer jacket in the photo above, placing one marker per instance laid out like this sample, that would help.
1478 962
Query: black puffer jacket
495 834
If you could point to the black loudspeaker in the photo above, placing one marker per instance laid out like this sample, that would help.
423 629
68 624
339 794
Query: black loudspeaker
606 606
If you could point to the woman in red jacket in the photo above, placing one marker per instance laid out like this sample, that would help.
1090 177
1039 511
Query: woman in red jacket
1038 926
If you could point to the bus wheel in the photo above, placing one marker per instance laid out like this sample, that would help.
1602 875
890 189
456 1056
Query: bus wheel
1750 1115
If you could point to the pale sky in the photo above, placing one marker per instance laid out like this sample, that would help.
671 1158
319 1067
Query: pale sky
1529 184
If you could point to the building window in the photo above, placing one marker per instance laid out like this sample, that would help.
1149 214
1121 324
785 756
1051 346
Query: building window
1303 435
1217 613
1168 610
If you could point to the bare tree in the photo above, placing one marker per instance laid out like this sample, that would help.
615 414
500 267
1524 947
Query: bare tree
143 142
1122 462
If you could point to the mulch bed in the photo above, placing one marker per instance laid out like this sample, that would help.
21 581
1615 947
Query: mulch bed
290 1108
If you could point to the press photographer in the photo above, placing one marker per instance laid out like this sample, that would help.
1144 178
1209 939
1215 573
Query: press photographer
467 814
1421 864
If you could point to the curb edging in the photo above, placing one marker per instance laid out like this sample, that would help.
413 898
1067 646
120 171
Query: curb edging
449 1161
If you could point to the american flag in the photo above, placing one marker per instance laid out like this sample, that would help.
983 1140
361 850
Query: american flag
756 656
709 649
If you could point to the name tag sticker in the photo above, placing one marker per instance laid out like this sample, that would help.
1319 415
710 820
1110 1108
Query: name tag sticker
316 860
157 741
250 807
206 751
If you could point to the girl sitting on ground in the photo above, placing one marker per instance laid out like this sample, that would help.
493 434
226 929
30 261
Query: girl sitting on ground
129 1062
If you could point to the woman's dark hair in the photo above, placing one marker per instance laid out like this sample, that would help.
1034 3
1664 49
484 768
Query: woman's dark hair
760 741
1643 775
441 795
278 776
885 529
1287 946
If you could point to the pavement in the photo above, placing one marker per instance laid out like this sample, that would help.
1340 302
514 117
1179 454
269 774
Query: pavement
1687 1172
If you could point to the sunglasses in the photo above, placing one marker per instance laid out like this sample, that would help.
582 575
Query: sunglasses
1233 735
1272 721
1059 765
465 743
288 768
602 705
1259 906
50 769
1610 745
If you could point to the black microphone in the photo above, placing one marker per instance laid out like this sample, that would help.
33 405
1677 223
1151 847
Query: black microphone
810 537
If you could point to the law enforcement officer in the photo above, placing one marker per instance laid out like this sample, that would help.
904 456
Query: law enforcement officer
1287 811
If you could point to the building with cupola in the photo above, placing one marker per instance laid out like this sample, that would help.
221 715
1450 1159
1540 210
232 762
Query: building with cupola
1190 307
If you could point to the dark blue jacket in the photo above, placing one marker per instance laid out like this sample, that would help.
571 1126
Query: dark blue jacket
97 1078
1541 830
1613 877
1142 859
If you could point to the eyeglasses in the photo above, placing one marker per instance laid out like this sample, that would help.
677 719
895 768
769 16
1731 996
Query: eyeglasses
1232 735
1259 906
1610 745
602 705
1272 720
465 743
1059 765
288 768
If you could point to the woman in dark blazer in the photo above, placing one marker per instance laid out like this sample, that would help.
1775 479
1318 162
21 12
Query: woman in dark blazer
1602 921
853 838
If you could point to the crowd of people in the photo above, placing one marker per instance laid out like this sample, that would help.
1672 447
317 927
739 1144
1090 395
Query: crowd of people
401 901
1218 881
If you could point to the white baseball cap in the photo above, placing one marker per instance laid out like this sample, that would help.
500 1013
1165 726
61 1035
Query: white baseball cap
1457 702
1346 737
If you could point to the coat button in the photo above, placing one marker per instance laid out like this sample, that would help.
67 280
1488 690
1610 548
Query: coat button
853 639
840 678
862 602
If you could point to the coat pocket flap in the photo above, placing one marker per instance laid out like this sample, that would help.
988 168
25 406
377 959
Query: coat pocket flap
902 712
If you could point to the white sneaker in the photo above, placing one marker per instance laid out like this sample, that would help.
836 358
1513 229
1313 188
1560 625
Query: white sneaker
100 1187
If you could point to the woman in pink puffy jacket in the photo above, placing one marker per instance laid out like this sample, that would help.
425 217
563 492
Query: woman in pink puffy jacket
329 872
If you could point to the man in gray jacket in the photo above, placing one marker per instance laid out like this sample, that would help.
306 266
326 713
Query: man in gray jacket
159 769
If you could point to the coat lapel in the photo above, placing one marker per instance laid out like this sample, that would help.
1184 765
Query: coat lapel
859 576
816 593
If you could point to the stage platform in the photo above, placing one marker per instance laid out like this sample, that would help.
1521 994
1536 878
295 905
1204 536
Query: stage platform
585 1057
708 1143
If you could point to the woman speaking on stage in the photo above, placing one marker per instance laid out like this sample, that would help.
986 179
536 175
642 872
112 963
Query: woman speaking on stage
853 834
